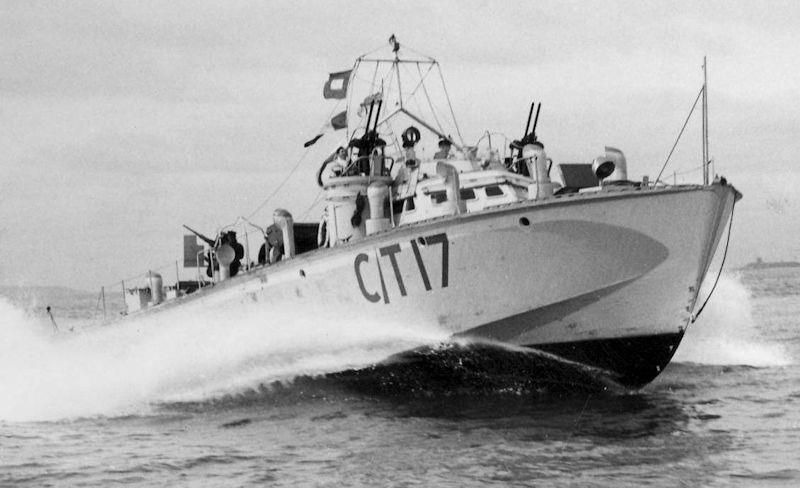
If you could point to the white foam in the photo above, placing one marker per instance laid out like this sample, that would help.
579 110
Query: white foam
124 368
726 334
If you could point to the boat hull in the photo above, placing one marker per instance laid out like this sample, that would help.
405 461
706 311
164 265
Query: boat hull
609 280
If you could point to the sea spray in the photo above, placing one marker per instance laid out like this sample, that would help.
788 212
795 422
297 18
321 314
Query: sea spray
180 355
726 334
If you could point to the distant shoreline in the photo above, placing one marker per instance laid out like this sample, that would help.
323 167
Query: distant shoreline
761 264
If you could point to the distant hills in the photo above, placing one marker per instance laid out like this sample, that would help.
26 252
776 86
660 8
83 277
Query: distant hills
761 264
44 293
64 300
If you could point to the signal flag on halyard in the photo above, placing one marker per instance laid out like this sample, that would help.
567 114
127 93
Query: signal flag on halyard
369 100
313 140
336 86
192 252
339 121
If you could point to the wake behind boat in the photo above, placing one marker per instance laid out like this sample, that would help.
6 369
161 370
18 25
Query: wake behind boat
484 241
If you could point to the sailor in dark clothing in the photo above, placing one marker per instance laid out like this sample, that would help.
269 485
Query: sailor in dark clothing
273 247
365 146
229 238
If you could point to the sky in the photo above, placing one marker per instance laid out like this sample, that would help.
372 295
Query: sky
121 121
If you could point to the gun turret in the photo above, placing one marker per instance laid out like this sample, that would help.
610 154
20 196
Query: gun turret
527 137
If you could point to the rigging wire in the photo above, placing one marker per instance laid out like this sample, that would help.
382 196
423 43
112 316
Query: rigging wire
418 53
372 52
439 115
721 266
421 79
313 204
489 134
349 100
449 103
372 83
681 173
680 134
430 104
281 185
386 84
293 170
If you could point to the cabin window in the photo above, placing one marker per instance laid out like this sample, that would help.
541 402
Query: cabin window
408 204
439 196
467 194
494 191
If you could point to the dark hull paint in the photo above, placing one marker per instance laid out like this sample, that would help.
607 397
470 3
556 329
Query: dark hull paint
632 361
478 368
485 368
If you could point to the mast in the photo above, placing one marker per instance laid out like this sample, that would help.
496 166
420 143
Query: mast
401 106
705 123
396 65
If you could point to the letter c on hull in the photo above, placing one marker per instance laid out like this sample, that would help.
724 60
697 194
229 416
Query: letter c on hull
372 297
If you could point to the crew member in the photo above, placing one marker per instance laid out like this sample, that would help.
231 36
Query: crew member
229 238
274 245
376 162
340 163
336 163
444 149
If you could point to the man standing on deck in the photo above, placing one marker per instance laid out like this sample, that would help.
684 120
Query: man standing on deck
444 149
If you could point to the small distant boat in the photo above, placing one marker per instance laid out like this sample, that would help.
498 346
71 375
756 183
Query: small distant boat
478 240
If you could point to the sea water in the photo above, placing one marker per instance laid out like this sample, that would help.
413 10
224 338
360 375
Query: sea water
207 403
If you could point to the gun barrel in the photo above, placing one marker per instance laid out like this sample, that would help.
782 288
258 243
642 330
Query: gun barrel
208 241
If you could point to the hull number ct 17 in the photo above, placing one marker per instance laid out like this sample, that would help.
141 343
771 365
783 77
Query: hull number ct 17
392 251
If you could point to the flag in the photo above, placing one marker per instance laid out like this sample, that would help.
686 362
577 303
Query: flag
369 100
191 250
339 121
311 141
336 86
